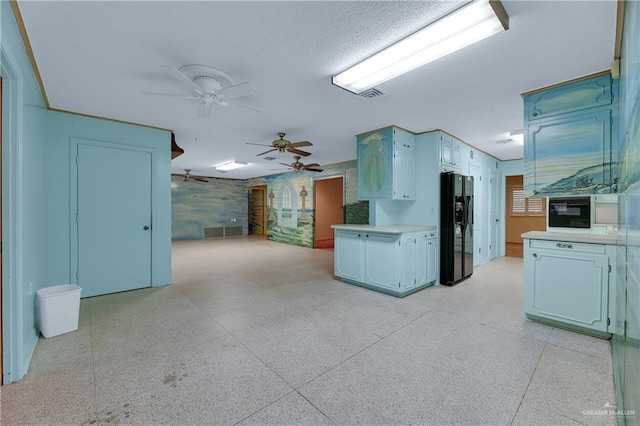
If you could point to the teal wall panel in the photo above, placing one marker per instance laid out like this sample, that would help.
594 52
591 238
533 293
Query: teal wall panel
64 130
36 171
626 348
24 198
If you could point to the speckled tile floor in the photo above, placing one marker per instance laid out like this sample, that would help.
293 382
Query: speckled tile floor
257 332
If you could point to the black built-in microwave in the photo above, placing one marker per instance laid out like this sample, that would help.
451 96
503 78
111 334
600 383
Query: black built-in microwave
570 212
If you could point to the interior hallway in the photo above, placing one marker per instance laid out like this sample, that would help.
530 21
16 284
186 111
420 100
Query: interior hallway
257 332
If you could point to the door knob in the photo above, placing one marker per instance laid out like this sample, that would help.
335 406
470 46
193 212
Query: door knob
146 227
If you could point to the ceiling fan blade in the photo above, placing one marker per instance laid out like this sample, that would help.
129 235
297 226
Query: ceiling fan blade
186 80
200 179
297 151
204 110
311 169
174 95
258 144
239 90
266 152
312 165
243 106
285 164
302 143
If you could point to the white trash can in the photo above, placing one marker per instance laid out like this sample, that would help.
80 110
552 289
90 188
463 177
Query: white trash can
59 309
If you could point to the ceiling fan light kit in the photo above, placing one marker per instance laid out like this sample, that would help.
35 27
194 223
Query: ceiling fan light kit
463 27
209 86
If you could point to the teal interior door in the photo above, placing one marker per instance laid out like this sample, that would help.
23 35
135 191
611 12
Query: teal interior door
114 227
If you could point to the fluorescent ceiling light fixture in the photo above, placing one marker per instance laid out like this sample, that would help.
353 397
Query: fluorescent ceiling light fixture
231 165
518 136
473 22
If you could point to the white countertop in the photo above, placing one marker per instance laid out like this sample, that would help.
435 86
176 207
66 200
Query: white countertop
389 229
571 236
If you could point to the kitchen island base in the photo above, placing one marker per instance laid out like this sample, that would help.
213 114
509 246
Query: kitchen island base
399 294
396 260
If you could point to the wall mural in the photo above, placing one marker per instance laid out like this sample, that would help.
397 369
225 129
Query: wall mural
375 155
197 205
290 197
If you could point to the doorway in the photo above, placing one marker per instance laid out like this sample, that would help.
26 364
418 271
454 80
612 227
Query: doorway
257 210
522 215
329 209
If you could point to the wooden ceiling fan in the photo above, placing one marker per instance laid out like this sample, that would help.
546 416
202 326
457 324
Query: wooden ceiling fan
297 165
282 145
187 176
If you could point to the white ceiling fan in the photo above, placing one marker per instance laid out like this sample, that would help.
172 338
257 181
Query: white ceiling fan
208 85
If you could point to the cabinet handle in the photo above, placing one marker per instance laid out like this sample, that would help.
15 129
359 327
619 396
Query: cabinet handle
535 255
535 114
564 245
359 235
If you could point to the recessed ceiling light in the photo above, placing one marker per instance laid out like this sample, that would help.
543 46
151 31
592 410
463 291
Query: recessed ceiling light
231 165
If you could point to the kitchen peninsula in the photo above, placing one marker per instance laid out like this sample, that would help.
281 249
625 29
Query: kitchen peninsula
394 259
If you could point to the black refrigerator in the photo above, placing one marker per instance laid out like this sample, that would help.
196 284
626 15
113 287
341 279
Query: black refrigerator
456 227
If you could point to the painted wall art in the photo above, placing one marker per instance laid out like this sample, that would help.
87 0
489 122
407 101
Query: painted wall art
290 217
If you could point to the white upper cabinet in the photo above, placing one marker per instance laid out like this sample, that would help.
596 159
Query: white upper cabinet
386 164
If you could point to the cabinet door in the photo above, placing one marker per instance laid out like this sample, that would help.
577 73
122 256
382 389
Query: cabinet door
409 263
450 151
404 175
446 143
432 244
421 256
569 156
375 164
348 262
569 287
403 139
381 260
576 96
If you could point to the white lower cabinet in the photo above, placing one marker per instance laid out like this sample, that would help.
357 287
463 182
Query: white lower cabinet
381 260
394 263
569 283
432 259
348 262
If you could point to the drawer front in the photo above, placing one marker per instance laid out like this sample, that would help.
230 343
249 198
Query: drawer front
568 246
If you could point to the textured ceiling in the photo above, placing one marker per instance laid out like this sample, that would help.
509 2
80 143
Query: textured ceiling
98 57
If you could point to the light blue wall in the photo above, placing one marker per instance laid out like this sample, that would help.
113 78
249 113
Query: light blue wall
36 194
626 349
24 198
512 167
507 168
61 128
